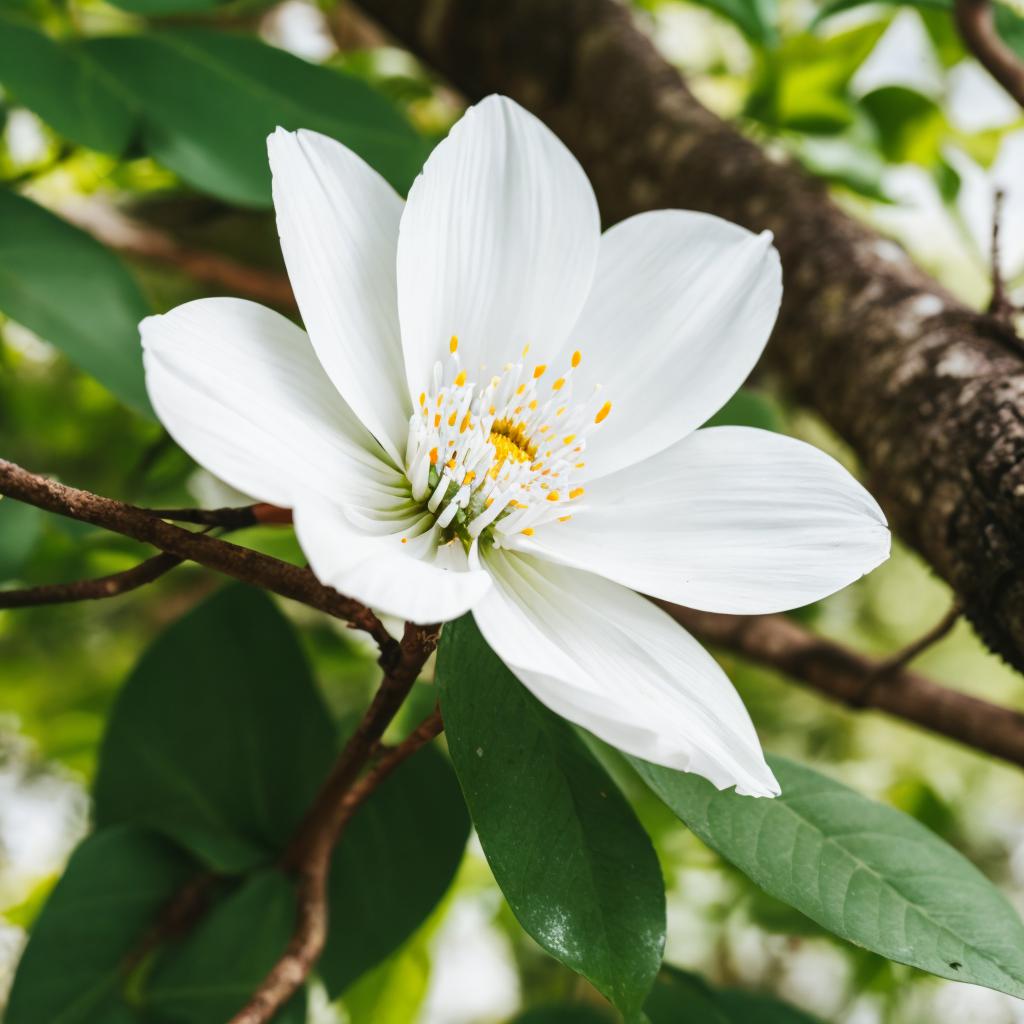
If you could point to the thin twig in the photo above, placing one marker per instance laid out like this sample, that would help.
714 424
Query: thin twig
1000 306
236 517
92 590
978 31
309 853
241 563
840 674
905 655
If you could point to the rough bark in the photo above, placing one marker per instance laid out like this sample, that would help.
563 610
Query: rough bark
928 392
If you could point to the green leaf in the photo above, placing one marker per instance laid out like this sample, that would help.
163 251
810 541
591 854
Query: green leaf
20 528
749 408
911 127
219 739
570 1013
74 293
756 19
157 8
209 100
837 6
680 997
210 975
575 865
394 863
64 86
866 872
114 886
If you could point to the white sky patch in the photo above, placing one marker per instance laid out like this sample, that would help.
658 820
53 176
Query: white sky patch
903 56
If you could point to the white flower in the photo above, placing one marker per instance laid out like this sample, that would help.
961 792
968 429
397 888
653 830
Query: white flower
496 408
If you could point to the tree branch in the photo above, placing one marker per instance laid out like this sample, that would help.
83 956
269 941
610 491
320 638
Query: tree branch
852 679
928 392
309 854
977 29
92 590
243 564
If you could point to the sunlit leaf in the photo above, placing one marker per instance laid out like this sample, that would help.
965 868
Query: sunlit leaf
74 293
65 86
866 872
210 99
20 528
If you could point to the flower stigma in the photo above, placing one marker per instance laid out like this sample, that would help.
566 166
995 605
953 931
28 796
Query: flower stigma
491 461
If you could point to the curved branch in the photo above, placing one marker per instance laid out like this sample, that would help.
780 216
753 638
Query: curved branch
977 29
243 564
859 682
92 590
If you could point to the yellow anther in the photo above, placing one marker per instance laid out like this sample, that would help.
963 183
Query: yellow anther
451 419
545 428
423 397
464 425
554 496
488 503
470 477
559 384
580 465
603 412
576 357
575 493
451 463
433 456
520 389
453 345
528 532
460 379
564 519
538 371
437 420
526 349
405 540
568 439
533 404
560 411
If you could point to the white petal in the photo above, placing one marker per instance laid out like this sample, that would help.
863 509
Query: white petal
239 387
338 221
681 308
608 660
418 580
731 519
497 245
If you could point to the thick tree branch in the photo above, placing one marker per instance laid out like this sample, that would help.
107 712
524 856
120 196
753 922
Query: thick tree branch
928 392
852 679
309 854
240 563
978 31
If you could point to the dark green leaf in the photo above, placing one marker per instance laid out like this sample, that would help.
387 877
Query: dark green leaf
866 872
911 127
575 865
219 739
209 100
155 8
837 6
680 997
64 86
570 1013
114 886
211 974
756 19
20 528
74 293
394 863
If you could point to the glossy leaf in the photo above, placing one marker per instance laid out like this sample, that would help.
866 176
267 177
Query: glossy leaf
114 886
155 8
866 872
219 738
680 997
209 100
756 19
210 975
393 865
74 293
575 865
65 86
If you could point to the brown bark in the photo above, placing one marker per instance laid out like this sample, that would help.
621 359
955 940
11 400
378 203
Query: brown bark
978 31
928 392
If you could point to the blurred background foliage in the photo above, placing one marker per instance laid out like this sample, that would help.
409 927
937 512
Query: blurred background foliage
157 109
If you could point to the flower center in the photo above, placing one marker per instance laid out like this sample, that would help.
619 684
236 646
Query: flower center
498 459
